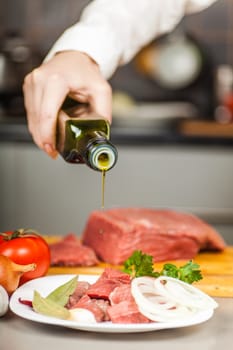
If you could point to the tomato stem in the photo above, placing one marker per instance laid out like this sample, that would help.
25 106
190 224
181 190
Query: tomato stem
18 233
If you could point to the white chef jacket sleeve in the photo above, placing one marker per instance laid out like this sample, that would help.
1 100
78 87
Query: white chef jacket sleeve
113 31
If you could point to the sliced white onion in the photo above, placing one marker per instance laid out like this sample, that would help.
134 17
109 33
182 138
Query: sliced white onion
82 315
143 300
178 313
165 299
184 293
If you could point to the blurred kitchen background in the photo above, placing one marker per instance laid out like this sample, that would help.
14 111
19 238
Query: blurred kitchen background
173 124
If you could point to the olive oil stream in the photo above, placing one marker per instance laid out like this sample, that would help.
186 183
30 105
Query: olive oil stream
103 189
103 164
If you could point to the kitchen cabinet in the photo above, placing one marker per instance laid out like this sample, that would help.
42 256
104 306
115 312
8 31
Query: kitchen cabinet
55 197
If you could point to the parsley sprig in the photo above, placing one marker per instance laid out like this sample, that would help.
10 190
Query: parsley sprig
140 264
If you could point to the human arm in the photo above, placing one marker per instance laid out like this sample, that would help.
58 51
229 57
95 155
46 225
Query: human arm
113 31
109 33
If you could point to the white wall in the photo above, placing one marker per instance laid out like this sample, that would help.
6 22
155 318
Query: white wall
54 197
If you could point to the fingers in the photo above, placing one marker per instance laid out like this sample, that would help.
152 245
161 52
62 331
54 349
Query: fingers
43 99
54 93
45 89
98 95
101 100
32 100
90 86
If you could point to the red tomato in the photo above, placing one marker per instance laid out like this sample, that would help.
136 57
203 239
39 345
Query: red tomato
26 248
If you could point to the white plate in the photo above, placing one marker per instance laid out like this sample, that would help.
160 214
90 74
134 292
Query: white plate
45 285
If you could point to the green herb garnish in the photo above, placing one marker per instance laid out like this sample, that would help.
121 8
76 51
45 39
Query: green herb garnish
189 272
140 264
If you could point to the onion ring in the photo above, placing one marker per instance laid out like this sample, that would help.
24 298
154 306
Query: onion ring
166 298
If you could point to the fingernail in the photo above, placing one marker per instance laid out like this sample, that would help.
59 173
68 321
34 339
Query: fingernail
50 150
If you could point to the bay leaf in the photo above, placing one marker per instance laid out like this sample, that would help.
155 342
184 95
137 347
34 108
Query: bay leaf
48 307
61 294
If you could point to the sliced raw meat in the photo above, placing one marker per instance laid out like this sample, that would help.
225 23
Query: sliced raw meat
103 305
71 252
97 307
114 300
115 275
123 308
102 288
121 293
165 234
80 290
107 282
126 312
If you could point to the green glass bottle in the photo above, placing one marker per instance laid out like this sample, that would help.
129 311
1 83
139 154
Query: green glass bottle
83 138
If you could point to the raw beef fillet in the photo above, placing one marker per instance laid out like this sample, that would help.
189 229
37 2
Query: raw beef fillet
71 252
165 234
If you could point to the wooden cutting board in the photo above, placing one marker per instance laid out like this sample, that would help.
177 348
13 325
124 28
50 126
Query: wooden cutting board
217 270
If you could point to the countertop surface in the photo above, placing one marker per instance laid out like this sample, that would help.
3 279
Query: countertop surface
214 334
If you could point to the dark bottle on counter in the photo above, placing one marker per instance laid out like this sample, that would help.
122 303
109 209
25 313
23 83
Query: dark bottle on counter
83 138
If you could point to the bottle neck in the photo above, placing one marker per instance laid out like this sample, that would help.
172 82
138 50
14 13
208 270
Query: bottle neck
101 155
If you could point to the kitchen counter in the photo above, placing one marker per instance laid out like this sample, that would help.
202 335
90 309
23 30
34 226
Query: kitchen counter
216 333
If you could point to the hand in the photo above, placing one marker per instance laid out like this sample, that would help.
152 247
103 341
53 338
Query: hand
69 73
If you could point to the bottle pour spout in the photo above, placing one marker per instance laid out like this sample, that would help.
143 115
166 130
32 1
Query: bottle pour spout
83 138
